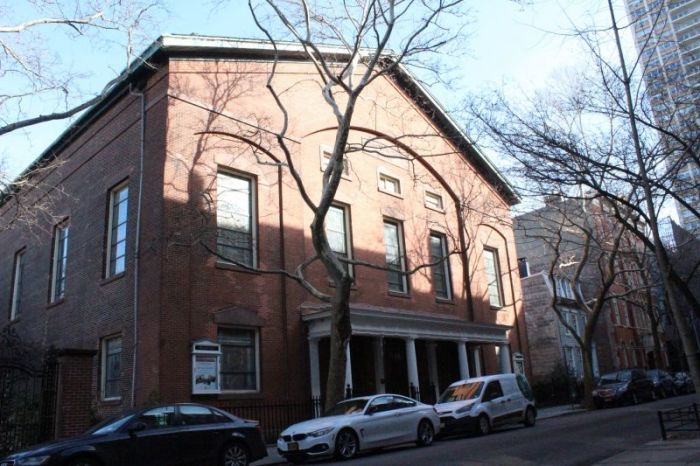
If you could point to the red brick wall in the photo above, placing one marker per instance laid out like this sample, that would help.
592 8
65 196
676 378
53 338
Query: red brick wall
75 395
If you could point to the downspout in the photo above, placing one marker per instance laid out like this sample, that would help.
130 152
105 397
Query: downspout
137 252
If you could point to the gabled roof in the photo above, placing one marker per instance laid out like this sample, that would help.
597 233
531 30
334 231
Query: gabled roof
198 46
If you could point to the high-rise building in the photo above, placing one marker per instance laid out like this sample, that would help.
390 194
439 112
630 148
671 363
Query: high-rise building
667 34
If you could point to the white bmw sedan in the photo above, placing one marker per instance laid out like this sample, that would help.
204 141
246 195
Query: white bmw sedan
360 424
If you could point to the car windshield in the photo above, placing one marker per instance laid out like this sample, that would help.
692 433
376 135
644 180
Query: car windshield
465 391
110 425
615 377
347 407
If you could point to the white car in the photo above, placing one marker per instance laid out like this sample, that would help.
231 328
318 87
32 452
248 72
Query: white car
360 424
482 403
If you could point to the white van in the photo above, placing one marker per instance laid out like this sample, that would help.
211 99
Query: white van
482 403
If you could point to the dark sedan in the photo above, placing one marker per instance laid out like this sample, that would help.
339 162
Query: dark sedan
179 434
663 383
626 386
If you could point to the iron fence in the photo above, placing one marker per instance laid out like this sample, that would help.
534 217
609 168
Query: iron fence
679 420
275 417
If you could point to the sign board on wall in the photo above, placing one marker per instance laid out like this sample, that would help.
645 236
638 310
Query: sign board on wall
206 360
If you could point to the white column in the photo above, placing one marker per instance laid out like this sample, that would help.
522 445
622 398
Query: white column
504 359
314 368
348 367
379 364
412 362
463 361
433 368
477 361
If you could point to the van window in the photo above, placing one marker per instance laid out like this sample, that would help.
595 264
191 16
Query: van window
493 391
465 391
525 387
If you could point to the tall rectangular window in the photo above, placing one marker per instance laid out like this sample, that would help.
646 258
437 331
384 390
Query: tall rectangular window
17 279
337 228
395 261
111 368
493 276
59 262
441 269
234 218
240 359
116 230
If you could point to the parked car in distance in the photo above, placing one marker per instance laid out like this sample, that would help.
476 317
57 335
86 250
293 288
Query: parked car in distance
482 403
683 383
622 387
663 383
168 435
360 424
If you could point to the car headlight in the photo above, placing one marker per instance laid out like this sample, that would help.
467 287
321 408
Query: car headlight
32 461
464 409
321 432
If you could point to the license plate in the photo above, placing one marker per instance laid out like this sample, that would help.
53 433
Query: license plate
292 446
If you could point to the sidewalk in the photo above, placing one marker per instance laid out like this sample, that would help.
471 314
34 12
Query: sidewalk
274 458
660 452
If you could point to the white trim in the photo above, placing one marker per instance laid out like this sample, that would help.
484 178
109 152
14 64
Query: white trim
347 233
429 192
445 263
381 173
323 150
497 272
402 252
253 200
57 229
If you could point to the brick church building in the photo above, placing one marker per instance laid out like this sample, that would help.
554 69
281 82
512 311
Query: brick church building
148 192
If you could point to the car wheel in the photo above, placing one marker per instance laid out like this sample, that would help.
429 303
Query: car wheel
346 444
483 425
235 454
83 461
426 433
530 417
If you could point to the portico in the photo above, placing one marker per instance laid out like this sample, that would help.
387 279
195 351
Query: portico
400 351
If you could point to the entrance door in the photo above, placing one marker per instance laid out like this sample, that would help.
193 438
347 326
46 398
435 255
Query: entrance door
395 368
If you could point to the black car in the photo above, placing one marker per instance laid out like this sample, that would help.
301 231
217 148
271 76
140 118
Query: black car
683 383
663 383
622 387
169 435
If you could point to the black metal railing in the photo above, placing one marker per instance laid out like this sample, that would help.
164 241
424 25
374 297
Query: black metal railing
679 420
275 417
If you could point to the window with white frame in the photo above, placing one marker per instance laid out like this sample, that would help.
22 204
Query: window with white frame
326 158
17 282
441 267
564 288
395 261
236 229
493 277
389 184
116 230
111 363
337 231
434 201
240 359
59 262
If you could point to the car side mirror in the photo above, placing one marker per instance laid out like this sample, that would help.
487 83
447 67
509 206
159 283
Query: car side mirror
137 427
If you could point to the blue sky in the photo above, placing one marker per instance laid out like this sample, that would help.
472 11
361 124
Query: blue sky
510 44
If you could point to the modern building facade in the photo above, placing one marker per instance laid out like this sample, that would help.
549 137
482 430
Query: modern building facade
176 173
667 34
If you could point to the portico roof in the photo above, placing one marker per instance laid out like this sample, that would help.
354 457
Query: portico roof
380 321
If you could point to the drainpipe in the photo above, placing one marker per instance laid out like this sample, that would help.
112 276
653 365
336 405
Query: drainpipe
137 251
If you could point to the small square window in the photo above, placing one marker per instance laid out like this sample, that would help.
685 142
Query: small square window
326 157
389 184
434 201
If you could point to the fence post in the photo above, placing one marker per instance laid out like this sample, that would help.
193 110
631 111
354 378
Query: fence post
661 424
697 418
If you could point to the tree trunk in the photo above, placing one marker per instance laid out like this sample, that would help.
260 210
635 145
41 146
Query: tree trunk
588 377
341 330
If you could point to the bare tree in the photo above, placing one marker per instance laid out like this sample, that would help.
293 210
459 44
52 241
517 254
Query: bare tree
596 131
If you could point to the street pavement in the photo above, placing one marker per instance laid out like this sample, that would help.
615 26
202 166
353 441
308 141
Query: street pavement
563 435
